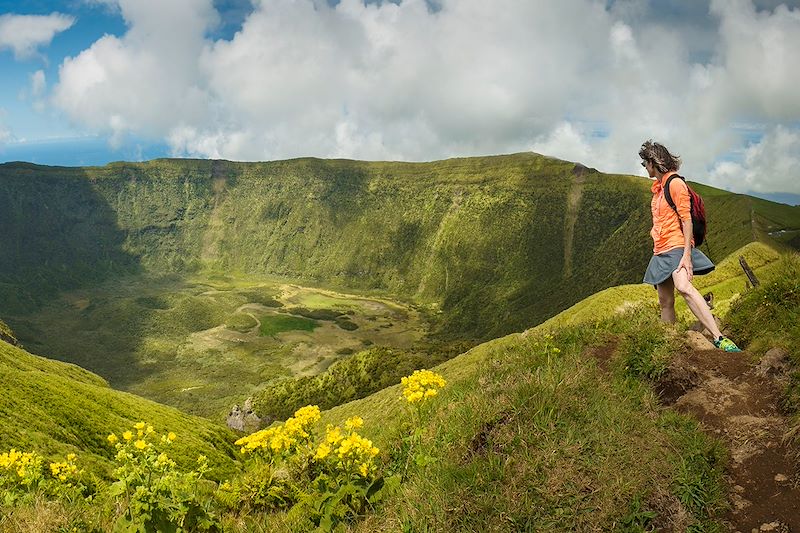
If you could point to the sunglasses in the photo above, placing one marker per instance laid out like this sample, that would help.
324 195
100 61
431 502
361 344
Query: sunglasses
644 163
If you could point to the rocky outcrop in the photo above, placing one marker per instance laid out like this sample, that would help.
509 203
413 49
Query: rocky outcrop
244 418
7 335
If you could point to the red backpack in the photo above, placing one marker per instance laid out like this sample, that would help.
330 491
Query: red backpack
696 208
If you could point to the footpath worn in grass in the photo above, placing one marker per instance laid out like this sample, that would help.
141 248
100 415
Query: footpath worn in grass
769 316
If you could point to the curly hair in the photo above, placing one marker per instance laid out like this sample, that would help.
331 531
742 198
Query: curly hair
660 157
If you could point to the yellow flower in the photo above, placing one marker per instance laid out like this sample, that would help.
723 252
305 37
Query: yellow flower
127 435
363 469
322 452
171 436
354 423
139 425
140 444
112 438
308 414
333 434
421 384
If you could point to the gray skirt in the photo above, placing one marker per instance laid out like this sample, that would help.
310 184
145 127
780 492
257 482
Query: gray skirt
663 265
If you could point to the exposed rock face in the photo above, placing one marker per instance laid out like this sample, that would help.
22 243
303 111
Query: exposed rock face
7 335
244 418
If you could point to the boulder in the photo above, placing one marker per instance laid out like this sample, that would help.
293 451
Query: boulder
244 418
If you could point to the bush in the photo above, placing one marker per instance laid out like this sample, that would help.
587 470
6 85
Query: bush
155 495
346 380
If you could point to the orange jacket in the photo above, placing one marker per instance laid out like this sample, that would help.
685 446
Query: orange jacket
666 232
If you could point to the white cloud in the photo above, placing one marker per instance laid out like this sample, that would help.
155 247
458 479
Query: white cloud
37 90
38 83
24 34
145 82
565 142
399 81
757 61
773 164
5 134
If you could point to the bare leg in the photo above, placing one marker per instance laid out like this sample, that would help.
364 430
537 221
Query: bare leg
666 300
695 302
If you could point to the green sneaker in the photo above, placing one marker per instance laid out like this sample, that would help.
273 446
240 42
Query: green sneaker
725 344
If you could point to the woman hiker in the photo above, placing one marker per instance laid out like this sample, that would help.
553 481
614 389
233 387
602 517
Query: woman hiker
675 260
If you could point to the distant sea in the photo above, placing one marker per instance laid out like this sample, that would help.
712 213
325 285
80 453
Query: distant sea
80 151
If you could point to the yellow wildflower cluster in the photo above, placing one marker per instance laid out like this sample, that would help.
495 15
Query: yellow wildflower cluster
26 468
23 464
137 439
353 452
280 438
67 469
421 384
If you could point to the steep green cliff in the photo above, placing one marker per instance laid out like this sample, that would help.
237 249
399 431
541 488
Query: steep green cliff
496 243
59 408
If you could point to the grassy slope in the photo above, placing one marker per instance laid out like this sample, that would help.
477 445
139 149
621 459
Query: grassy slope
57 408
726 282
523 440
527 439
482 239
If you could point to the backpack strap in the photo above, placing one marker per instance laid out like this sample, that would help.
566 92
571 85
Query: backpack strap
667 194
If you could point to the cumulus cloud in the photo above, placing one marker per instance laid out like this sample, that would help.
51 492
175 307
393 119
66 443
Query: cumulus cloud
24 34
573 79
769 165
148 80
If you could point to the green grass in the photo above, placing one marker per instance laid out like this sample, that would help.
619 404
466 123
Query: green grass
271 325
527 437
524 438
57 408
477 244
241 322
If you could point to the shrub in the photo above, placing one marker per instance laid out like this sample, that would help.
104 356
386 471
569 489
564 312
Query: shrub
154 494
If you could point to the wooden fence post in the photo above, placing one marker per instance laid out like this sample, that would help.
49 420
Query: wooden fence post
748 272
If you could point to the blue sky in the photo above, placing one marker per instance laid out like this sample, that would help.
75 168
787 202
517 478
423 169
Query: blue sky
584 80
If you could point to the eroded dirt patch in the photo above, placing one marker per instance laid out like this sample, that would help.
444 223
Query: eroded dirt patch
603 353
738 401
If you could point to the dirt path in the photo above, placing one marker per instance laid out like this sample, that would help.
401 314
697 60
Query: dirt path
738 402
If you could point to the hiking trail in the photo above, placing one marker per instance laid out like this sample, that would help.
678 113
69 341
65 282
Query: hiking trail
738 401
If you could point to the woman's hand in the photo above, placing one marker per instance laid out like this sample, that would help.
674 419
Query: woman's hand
686 262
